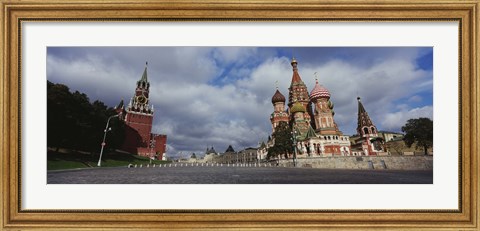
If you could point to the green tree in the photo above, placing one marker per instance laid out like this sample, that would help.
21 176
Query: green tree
420 132
75 123
283 143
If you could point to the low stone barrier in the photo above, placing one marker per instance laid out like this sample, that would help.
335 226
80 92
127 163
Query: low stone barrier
365 162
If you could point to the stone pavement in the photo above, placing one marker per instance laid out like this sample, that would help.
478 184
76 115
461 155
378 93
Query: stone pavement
181 174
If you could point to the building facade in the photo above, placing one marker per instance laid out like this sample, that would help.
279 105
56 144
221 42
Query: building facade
138 117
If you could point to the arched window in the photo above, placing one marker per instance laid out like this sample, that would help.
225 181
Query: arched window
373 129
365 130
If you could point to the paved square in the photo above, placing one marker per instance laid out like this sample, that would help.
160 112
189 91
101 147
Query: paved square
236 175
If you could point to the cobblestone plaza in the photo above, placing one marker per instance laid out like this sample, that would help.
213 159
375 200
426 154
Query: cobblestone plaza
182 174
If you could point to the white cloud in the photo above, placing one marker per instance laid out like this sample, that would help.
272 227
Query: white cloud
395 120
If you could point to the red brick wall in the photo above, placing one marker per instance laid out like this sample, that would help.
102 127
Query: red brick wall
160 145
138 130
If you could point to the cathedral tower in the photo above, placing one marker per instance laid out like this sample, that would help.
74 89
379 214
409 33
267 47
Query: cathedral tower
298 93
279 114
365 127
369 142
300 124
323 109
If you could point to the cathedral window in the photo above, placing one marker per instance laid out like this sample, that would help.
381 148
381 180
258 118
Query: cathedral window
373 130
365 130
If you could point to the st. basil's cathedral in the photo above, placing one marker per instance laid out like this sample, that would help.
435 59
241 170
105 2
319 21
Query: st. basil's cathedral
311 119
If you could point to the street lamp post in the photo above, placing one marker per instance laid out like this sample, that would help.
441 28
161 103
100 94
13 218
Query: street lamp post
294 133
104 136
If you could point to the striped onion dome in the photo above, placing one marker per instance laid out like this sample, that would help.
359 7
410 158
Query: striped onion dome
278 97
319 92
298 107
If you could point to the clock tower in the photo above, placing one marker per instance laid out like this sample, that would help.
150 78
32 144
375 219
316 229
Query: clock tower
139 119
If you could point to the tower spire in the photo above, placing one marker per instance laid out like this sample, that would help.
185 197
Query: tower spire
296 77
144 75
365 126
361 109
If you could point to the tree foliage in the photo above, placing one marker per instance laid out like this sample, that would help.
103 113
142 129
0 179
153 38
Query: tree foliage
75 123
419 132
283 143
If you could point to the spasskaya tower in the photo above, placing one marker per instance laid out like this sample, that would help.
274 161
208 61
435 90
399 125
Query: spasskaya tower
138 117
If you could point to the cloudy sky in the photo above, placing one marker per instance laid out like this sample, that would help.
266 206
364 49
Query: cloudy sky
220 96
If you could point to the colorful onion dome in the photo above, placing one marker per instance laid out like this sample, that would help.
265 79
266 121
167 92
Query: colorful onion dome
278 97
298 107
319 92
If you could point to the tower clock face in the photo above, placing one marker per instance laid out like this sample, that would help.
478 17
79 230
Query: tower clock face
141 99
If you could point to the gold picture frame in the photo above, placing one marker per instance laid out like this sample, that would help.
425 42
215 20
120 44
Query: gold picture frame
14 12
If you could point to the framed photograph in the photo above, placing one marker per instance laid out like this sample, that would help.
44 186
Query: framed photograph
345 115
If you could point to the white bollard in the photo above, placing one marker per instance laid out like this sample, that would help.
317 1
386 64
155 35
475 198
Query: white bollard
135 165
175 165
170 165
154 165
148 165
141 165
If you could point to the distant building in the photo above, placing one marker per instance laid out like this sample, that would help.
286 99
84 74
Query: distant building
390 136
210 155
262 152
248 155
138 117
228 157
